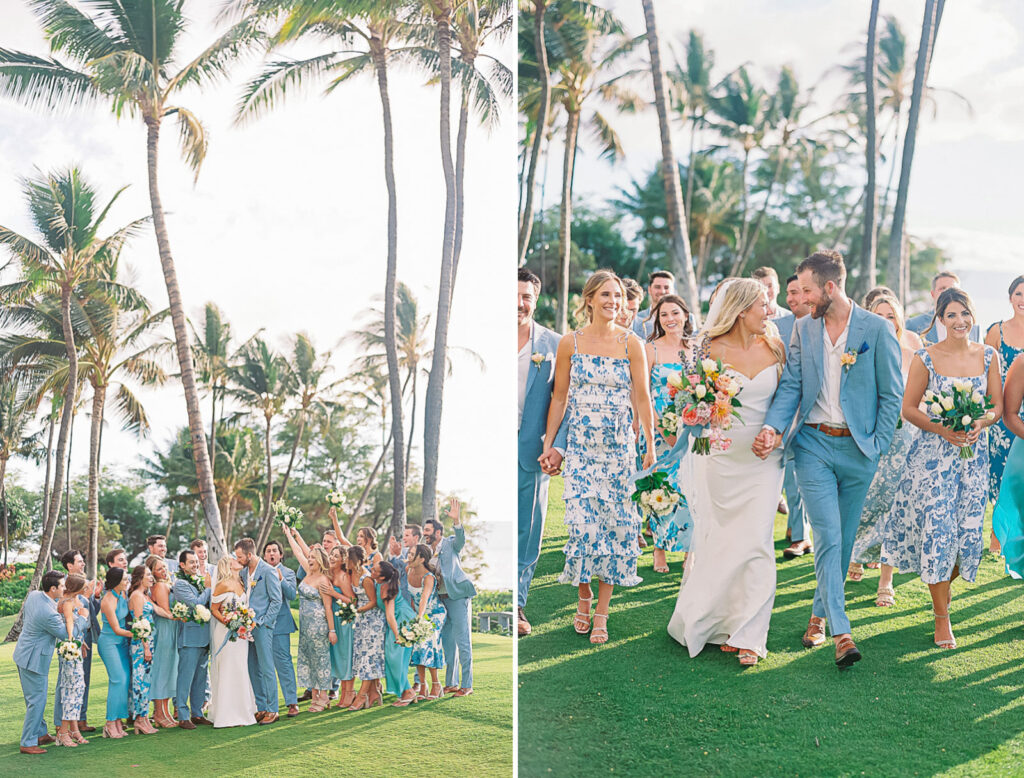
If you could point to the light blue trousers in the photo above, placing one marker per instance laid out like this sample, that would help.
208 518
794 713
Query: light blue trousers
261 669
533 507
192 667
456 642
285 668
33 687
833 477
799 527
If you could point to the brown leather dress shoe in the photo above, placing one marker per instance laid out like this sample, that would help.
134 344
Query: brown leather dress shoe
45 740
186 725
815 633
450 689
32 750
270 718
524 624
260 714
202 720
293 711
464 692
846 653
83 727
306 695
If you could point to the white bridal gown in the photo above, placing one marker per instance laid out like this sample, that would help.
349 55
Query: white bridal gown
728 588
232 703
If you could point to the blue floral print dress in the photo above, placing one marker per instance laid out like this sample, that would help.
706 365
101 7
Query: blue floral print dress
71 675
999 437
600 454
428 653
141 669
314 644
672 532
367 637
936 519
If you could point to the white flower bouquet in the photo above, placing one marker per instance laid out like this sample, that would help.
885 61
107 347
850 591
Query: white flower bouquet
201 614
70 650
655 495
181 611
288 515
960 409
142 628
414 631
335 499
346 612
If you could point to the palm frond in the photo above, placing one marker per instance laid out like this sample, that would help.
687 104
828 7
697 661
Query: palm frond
213 62
191 137
39 82
271 86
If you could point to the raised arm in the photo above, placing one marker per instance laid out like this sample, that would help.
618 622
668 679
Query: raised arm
298 547
333 513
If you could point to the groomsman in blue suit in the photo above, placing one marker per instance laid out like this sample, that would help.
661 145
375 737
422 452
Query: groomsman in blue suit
41 628
73 562
842 384
264 587
284 627
192 588
537 348
456 592
940 283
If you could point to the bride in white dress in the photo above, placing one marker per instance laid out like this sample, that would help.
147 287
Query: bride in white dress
728 587
232 702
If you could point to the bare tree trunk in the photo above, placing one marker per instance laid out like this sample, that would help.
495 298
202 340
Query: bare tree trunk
572 129
268 508
751 240
544 75
869 242
3 497
67 481
682 259
369 484
99 399
690 174
460 178
741 244
204 467
894 269
291 457
49 458
434 400
412 417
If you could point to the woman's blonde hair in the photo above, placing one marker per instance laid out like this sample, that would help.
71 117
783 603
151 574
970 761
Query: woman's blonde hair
737 296
224 571
319 556
897 311
584 313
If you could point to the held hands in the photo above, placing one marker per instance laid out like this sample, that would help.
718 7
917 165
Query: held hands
767 440
958 438
550 462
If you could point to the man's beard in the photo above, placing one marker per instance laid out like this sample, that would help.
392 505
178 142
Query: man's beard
818 309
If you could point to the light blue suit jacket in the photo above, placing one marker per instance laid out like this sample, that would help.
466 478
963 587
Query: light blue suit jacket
642 325
191 635
539 384
920 322
455 580
871 390
785 325
265 596
285 624
41 629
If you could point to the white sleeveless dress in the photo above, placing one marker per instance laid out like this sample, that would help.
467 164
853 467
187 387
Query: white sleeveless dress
728 588
232 702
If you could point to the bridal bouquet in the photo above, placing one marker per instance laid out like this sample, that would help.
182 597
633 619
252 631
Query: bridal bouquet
142 628
288 515
414 631
181 611
335 499
346 612
959 409
70 650
705 397
655 495
240 622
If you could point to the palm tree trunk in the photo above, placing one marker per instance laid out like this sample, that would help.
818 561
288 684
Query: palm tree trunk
369 484
743 201
99 399
412 416
572 130
748 244
682 259
883 212
49 458
268 506
50 524
690 176
213 424
204 467
460 178
3 498
434 401
291 457
544 75
869 242
391 287
67 480
894 269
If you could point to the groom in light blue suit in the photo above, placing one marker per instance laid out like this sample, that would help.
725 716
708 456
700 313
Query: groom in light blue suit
41 628
843 385
264 587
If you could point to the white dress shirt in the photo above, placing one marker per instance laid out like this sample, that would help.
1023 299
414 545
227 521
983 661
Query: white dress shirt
826 408
524 373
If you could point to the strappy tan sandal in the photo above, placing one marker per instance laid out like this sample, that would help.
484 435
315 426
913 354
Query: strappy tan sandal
599 635
727 649
581 621
663 567
945 644
886 597
855 572
748 658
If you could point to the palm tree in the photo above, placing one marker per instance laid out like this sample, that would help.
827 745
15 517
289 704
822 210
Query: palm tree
15 417
682 259
211 353
694 81
869 241
377 26
124 54
63 208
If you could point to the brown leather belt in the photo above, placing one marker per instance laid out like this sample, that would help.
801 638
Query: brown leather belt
835 432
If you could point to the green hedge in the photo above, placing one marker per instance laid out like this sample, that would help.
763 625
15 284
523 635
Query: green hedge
14 583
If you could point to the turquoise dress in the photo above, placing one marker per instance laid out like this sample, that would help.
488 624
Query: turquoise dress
999 437
1008 516
164 675
113 649
341 652
396 657
141 669
602 522
672 532
428 653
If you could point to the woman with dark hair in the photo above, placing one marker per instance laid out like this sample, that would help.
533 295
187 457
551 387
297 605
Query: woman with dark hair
669 352
112 645
71 674
427 603
366 538
935 525
164 676
339 589
396 611
141 607
367 632
1008 337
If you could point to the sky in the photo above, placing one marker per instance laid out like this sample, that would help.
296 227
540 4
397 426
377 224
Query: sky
964 192
285 230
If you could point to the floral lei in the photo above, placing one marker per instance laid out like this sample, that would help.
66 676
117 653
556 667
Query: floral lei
197 582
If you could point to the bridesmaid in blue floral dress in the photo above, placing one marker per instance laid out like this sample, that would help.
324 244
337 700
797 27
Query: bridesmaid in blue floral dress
672 327
1008 516
112 645
396 611
935 525
141 607
71 674
427 654
599 373
367 632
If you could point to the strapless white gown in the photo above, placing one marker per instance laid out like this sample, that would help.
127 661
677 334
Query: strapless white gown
232 702
728 588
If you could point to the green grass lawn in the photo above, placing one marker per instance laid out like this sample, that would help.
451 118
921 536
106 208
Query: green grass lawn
640 706
467 736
